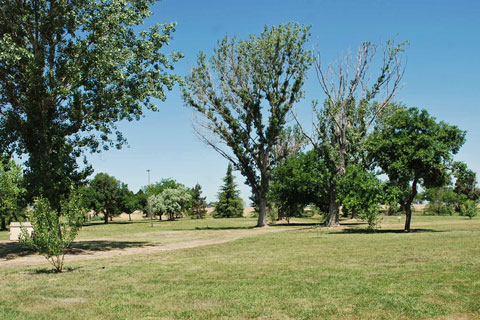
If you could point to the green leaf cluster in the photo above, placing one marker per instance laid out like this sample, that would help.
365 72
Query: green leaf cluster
12 191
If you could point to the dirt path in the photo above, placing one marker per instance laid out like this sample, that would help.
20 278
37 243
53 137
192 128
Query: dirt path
217 238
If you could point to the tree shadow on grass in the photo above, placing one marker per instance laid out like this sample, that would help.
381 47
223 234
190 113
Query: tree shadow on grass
379 231
218 228
12 250
298 224
98 245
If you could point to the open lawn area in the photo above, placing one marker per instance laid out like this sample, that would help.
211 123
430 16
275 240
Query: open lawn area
217 269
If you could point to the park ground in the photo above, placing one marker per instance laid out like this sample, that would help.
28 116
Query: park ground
221 269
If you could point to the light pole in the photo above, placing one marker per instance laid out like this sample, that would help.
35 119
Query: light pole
149 202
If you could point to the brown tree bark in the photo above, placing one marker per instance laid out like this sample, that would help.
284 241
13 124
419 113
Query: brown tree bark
262 215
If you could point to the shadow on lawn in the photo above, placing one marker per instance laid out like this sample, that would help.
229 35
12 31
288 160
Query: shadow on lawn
12 250
367 231
218 228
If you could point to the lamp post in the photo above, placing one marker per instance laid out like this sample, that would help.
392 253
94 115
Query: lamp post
149 204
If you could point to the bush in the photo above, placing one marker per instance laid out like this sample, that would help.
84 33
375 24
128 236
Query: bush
52 234
469 208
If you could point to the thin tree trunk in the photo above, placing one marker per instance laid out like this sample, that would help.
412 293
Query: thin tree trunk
354 214
105 216
4 224
408 205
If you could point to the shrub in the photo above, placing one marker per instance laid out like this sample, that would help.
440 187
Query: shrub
53 233
469 208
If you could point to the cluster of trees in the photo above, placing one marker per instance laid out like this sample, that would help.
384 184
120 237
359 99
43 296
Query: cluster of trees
244 92
66 80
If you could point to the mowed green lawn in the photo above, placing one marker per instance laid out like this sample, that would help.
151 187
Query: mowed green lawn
305 272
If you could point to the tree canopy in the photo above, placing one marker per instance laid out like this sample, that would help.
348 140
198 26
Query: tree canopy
413 149
69 71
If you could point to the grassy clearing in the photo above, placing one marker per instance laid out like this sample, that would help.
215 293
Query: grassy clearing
303 273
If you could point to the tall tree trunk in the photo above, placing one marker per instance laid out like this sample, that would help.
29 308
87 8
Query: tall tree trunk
333 218
105 216
262 215
354 214
408 205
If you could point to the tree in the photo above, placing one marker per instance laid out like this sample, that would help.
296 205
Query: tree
107 195
11 191
69 71
350 108
441 200
128 201
361 193
300 181
157 188
232 90
469 208
229 204
51 237
413 149
171 201
198 204
465 181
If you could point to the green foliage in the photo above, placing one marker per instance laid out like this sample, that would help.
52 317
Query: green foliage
157 188
108 196
469 208
442 201
171 201
465 181
11 191
413 149
300 181
69 71
360 191
54 231
243 94
198 204
229 204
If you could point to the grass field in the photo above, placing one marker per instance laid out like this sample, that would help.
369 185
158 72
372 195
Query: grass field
305 272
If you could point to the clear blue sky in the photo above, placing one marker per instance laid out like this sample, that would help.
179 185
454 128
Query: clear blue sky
442 75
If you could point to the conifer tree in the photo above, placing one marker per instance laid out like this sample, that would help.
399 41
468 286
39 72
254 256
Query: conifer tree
229 203
199 205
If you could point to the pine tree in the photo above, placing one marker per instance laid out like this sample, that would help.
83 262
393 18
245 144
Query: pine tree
199 205
229 203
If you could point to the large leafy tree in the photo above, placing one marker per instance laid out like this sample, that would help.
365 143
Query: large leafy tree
243 94
413 149
107 195
171 201
11 191
229 204
69 71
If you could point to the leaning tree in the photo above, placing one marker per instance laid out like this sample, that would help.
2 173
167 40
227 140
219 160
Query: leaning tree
69 71
242 95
